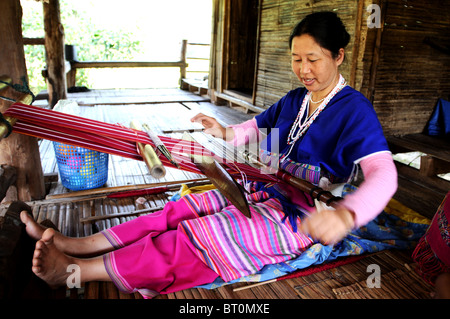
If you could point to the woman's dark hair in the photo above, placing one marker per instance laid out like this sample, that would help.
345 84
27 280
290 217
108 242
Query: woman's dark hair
326 28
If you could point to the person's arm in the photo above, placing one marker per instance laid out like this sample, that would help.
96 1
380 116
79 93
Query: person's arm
360 207
380 184
236 134
245 133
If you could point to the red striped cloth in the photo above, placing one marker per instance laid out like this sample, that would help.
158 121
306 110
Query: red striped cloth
115 139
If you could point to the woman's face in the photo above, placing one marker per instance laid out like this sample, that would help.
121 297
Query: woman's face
315 66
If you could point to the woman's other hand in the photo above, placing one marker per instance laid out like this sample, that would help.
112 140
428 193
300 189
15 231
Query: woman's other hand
328 226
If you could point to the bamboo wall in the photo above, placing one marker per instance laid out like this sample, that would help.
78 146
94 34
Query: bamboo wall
392 65
410 75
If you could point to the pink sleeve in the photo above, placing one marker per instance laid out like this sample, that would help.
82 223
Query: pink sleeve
379 185
245 133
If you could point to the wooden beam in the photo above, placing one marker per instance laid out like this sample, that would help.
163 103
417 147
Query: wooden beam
125 64
54 47
430 166
419 198
240 102
431 145
33 41
434 183
18 150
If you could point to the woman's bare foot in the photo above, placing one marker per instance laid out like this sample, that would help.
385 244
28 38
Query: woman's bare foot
94 245
52 265
34 230
49 263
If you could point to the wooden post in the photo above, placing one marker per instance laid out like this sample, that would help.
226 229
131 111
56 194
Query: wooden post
358 47
376 53
183 60
54 48
17 150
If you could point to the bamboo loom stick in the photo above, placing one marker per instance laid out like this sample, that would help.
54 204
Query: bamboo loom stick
255 285
160 145
117 215
108 190
147 152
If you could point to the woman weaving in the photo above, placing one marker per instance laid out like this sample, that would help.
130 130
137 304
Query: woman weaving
322 131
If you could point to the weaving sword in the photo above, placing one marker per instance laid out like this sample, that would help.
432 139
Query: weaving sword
221 179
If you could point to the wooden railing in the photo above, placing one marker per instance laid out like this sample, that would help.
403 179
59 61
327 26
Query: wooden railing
74 65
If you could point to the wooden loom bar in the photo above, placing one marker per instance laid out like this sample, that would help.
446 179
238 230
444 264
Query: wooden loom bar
106 191
117 215
300 184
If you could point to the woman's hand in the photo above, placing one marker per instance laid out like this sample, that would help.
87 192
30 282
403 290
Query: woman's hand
213 127
328 226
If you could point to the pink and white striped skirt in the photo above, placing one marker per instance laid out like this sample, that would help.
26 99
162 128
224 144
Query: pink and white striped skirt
196 239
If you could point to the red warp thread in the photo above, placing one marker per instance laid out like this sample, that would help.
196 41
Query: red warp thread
115 139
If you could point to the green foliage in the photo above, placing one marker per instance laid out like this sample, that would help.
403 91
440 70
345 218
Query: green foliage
93 43
109 30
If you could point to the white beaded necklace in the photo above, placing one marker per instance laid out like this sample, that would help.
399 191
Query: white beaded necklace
315 102
298 128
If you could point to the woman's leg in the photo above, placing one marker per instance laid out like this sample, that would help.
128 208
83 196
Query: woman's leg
120 235
151 266
158 265
55 252
188 207
52 265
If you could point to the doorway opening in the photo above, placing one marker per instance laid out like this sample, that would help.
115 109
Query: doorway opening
241 49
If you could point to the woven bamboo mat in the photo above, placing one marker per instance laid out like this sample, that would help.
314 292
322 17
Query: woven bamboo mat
398 284
398 281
